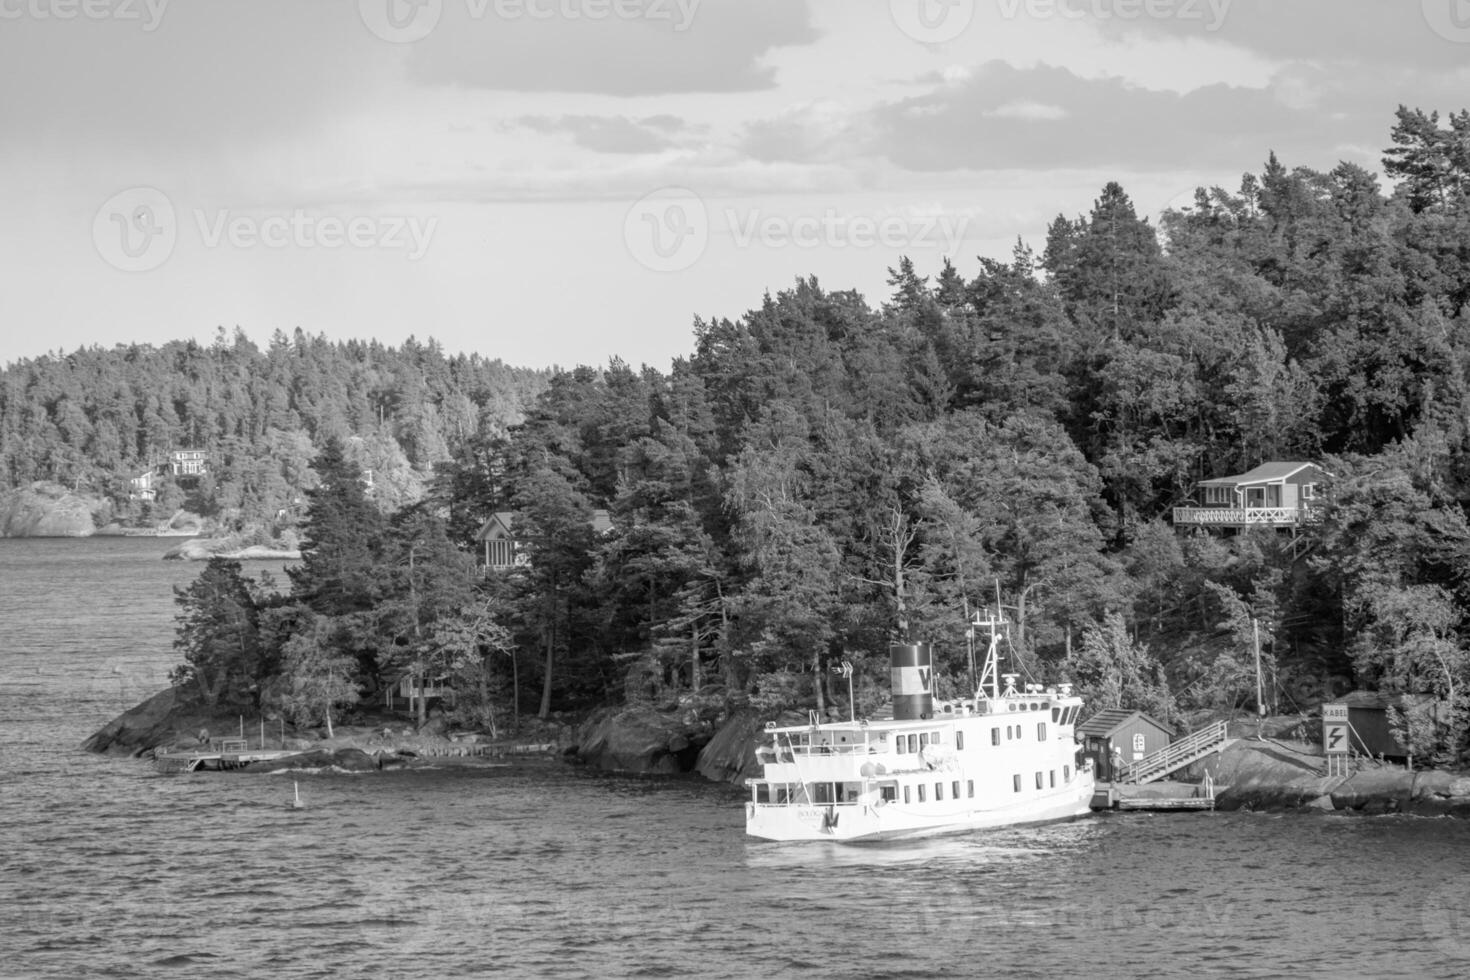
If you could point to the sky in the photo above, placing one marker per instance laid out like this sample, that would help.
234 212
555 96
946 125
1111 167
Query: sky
557 182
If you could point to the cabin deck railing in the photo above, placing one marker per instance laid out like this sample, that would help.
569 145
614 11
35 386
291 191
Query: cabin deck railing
1232 516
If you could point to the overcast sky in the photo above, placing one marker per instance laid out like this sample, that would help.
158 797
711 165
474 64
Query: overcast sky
559 181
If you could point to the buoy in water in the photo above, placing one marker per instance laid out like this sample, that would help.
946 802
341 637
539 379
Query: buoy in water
296 804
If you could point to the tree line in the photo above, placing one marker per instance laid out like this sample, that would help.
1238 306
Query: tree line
820 477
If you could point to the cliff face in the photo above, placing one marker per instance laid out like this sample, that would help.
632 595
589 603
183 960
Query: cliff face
50 510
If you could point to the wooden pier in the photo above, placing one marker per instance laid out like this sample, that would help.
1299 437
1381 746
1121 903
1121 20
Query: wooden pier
1155 796
222 755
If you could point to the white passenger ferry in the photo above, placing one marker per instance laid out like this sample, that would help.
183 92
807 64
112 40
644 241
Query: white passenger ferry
1003 757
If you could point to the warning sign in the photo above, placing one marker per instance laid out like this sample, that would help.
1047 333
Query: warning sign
1334 729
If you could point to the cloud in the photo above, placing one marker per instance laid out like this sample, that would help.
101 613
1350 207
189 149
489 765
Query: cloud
818 132
1376 32
206 74
1070 121
673 46
1025 109
611 134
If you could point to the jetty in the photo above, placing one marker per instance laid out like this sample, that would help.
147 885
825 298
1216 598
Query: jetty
1155 796
222 755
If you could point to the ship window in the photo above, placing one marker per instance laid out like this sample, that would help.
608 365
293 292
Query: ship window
995 736
1052 780
1016 781
1038 780
823 793
923 740
913 743
959 741
955 788
905 794
1041 731
1067 773
938 791
900 746
1056 713
921 792
783 794
763 792
890 792
934 737
970 787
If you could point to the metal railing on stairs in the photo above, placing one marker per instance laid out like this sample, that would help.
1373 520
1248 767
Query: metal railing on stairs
1177 755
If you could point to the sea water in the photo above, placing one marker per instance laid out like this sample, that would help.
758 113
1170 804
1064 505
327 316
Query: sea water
542 869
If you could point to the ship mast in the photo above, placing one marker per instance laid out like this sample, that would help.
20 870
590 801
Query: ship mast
993 622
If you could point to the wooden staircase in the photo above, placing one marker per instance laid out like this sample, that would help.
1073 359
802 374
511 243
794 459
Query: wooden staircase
1177 755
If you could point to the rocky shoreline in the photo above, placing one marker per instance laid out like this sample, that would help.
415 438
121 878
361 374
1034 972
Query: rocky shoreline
168 722
703 734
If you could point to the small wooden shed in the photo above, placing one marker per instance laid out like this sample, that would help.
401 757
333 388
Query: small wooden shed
1135 735
1367 713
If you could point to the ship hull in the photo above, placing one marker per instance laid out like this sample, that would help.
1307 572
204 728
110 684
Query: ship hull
856 823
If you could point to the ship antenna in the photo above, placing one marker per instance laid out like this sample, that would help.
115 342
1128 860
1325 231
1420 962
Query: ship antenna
993 623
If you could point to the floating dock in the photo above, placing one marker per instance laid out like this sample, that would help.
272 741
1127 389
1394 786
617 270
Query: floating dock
1155 796
223 754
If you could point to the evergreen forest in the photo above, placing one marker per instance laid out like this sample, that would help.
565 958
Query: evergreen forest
822 476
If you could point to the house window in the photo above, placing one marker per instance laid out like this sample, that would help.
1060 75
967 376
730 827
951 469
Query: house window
1218 496
1309 491
500 553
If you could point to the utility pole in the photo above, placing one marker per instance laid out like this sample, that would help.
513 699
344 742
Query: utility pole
1260 702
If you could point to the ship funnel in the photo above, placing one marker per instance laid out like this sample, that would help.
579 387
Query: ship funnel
912 671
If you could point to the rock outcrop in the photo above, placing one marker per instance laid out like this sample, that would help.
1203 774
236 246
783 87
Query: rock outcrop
202 549
348 759
1272 774
643 738
50 510
164 719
